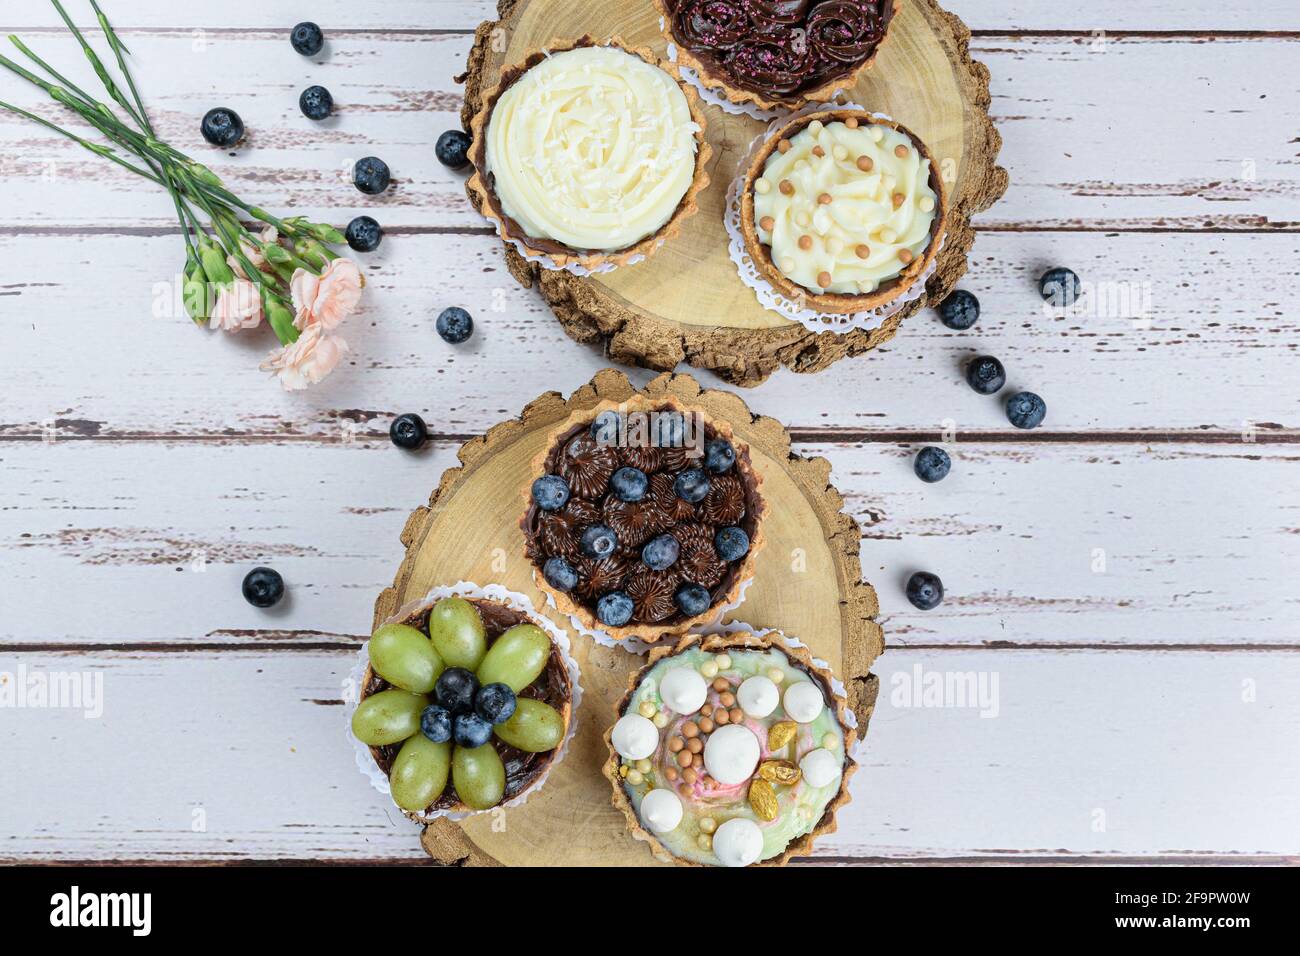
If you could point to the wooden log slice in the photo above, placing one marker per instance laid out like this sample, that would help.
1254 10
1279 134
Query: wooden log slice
686 303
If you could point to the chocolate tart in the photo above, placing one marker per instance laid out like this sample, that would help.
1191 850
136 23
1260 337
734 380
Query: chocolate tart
777 54
553 687
734 500
482 185
796 661
836 303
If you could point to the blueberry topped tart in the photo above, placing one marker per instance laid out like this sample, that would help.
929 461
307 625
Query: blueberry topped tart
465 705
730 750
643 518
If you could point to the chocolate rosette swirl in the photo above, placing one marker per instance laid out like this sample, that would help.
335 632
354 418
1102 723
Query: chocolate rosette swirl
845 31
773 64
719 24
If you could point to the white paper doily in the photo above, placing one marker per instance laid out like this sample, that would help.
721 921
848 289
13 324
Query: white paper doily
772 298
492 592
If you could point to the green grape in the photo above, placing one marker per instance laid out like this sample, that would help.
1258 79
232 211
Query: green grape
419 773
404 657
387 717
456 630
517 657
534 727
479 775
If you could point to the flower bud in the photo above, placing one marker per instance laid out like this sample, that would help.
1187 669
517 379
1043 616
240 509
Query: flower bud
214 263
280 317
194 291
326 233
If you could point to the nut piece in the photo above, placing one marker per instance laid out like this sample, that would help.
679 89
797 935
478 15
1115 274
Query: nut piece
763 799
780 734
780 772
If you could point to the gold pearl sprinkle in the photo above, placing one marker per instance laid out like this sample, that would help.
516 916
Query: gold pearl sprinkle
783 146
866 163
824 199
900 151
824 280
767 224
899 199
905 256
851 122
819 152
805 243
863 251
787 188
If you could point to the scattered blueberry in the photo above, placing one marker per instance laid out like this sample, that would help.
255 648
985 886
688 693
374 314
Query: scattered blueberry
452 149
691 599
222 127
364 234
732 544
455 325
692 485
986 375
316 103
719 456
661 553
435 723
598 541
606 427
629 484
925 591
1060 287
932 464
669 430
560 574
371 175
960 310
456 689
495 703
614 609
263 587
471 730
408 431
1026 410
550 492
307 38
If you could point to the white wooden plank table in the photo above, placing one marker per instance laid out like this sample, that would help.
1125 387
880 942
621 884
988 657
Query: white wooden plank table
1123 577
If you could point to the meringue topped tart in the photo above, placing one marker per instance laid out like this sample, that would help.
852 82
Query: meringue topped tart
593 148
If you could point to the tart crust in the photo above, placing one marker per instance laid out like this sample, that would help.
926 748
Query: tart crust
835 303
559 695
717 643
741 571
717 80
483 192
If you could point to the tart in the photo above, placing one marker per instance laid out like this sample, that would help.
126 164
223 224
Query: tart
730 750
643 518
465 705
777 54
842 210
589 154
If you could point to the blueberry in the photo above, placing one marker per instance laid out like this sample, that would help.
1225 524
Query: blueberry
614 609
222 127
455 325
435 723
669 430
960 310
925 591
692 600
456 689
605 429
316 103
692 485
661 552
470 731
307 38
732 544
550 492
560 574
986 375
364 234
598 541
719 456
1060 287
408 431
629 484
263 587
1026 410
371 175
452 149
495 703
932 464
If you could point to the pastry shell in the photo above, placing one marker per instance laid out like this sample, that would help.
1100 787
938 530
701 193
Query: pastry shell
715 644
483 195
837 303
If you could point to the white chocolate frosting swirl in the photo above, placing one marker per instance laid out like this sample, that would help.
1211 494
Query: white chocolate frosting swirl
844 210
593 148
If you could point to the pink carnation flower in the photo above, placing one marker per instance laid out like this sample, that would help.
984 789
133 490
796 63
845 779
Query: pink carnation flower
238 306
308 360
326 299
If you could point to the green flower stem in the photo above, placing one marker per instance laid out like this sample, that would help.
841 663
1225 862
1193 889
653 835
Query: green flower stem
96 148
100 70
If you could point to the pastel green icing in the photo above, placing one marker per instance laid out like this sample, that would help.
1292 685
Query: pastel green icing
801 806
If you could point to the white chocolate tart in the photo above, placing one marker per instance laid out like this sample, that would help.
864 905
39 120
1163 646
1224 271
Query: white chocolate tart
589 154
737 780
843 211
